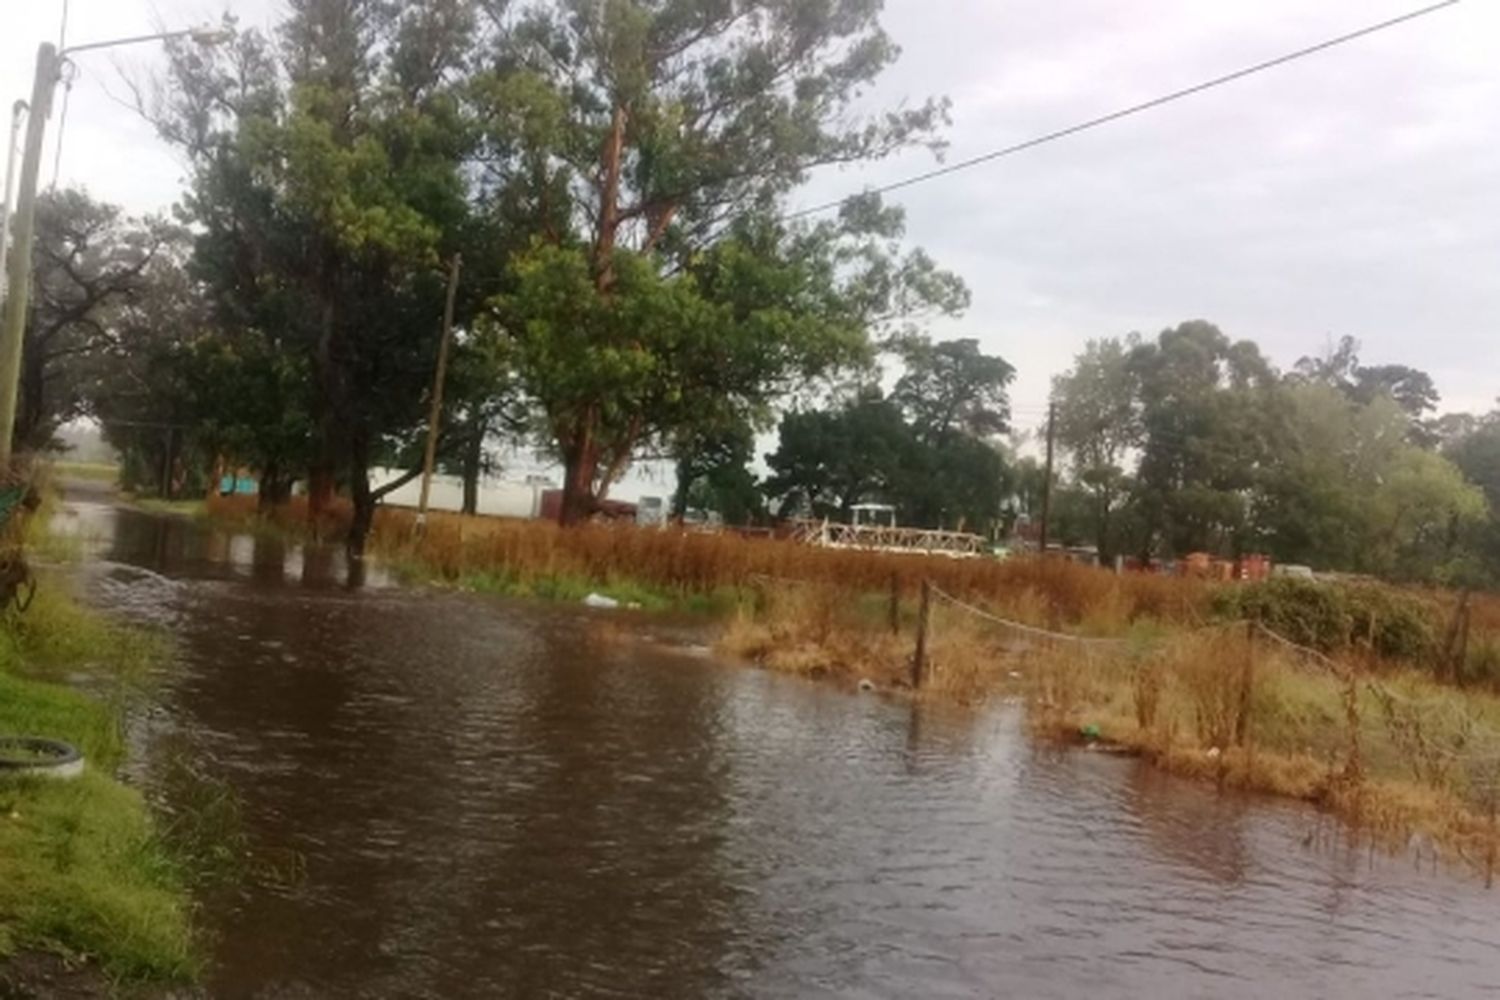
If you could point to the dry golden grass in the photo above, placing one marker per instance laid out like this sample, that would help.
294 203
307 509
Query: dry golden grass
1049 593
1208 704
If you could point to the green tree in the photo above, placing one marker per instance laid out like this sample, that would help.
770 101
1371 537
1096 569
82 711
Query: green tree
829 460
1098 423
328 186
1346 489
1411 388
1476 452
92 265
952 387
1205 409
713 471
632 131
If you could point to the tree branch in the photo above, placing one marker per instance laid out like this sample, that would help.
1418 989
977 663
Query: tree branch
395 484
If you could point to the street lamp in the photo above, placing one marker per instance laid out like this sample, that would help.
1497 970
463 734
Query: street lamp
49 63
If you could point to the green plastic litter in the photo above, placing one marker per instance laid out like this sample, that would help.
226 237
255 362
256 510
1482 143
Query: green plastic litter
10 499
1089 732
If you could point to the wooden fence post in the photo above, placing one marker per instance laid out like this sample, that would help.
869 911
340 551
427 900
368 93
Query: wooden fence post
924 616
893 612
1489 854
1247 688
1354 766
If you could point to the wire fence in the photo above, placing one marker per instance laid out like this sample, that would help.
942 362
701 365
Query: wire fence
1228 689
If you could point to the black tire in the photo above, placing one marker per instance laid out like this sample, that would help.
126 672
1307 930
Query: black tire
35 755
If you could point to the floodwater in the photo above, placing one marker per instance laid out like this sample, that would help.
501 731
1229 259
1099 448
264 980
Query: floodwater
499 799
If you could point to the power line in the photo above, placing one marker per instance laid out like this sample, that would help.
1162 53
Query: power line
1134 109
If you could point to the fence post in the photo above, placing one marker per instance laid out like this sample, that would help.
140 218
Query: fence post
1354 766
1489 854
893 612
924 616
1247 685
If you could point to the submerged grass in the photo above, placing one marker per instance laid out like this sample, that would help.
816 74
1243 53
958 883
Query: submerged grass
84 872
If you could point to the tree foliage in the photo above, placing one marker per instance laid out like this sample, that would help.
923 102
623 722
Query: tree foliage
928 449
634 134
1192 442
93 267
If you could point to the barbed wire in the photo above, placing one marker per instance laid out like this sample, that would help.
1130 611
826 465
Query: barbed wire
1022 627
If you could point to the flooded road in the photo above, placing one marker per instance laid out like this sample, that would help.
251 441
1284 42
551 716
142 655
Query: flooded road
495 799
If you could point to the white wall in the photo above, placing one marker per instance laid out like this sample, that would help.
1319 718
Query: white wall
496 497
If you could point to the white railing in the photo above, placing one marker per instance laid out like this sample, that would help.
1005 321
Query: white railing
885 538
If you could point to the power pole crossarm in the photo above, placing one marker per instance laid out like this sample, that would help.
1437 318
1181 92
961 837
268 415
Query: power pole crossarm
13 331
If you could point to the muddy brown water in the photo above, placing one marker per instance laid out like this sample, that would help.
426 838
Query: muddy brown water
496 799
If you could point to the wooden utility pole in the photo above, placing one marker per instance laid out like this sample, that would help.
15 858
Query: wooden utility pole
434 414
1047 478
17 118
18 288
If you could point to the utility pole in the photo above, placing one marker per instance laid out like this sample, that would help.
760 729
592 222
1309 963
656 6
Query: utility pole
436 410
13 332
1047 480
49 63
17 111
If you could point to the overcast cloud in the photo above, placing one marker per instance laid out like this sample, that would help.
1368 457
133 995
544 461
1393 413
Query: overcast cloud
1356 192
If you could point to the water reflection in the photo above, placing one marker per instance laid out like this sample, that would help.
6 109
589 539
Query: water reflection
179 546
1191 826
501 799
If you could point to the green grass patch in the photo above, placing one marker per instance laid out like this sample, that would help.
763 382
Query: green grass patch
57 638
99 472
84 871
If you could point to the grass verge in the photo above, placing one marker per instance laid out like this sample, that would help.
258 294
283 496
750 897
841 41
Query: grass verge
84 873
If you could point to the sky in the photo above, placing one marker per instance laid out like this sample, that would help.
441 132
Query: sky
1355 192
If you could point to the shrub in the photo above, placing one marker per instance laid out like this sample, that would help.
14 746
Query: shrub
1389 622
1333 617
1304 611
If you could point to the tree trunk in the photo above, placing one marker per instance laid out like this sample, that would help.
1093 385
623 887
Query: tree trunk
364 503
275 488
680 495
580 464
320 474
473 460
612 164
265 498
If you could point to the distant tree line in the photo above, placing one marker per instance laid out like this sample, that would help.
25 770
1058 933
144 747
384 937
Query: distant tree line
1192 442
